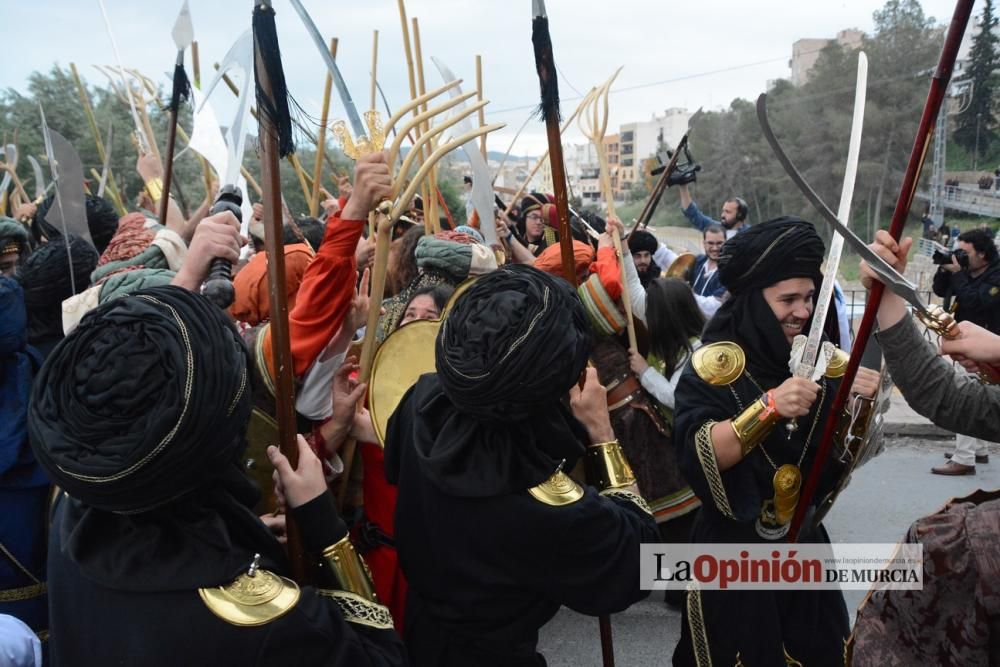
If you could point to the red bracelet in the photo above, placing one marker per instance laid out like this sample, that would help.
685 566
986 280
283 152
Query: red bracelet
770 409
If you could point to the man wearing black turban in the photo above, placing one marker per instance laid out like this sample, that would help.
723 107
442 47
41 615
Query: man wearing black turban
156 558
746 470
492 535
45 277
643 246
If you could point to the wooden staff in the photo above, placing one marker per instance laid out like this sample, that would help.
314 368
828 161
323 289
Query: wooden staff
88 111
597 127
280 342
321 136
479 94
195 65
427 186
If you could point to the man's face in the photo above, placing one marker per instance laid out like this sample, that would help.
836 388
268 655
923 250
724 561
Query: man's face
642 259
976 258
791 301
533 226
8 263
729 212
713 244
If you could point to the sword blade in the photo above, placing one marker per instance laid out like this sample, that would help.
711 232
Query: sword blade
888 275
815 338
360 132
482 189
36 169
239 58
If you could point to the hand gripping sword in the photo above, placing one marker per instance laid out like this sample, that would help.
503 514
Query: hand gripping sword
219 286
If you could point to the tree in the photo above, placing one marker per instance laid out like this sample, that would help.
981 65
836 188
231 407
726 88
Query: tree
977 122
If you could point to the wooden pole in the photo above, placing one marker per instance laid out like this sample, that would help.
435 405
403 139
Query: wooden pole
479 97
88 111
281 352
321 137
195 65
427 187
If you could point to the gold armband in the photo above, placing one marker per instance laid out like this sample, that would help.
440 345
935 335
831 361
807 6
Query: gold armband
754 424
606 466
348 569
155 189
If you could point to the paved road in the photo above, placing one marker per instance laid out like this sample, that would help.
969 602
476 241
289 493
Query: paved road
884 498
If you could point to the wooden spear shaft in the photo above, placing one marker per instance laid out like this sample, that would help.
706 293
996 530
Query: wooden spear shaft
281 351
374 81
321 137
195 65
427 187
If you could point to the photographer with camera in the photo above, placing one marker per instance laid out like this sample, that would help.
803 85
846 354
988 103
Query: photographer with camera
971 275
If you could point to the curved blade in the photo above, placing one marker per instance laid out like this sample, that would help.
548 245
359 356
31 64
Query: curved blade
353 118
183 32
239 58
36 169
5 152
810 354
888 275
482 187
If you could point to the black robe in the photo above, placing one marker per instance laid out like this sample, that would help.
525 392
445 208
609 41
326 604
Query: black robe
758 627
488 564
116 601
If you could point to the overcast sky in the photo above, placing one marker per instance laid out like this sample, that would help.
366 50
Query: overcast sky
675 54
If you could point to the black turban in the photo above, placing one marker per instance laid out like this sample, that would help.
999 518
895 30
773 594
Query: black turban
514 343
640 240
102 221
145 401
46 280
532 202
763 255
770 252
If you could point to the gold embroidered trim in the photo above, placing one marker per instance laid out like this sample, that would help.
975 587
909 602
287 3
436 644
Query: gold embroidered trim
23 593
710 466
789 660
18 565
43 635
357 609
633 498
699 636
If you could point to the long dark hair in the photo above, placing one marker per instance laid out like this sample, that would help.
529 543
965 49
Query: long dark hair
673 317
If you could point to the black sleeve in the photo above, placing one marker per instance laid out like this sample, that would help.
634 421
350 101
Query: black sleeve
596 567
319 523
980 296
942 283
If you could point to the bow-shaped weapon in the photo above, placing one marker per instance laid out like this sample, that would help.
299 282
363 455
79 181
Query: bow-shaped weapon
183 34
925 132
219 286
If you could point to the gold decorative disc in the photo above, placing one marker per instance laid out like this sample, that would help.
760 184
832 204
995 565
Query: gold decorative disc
720 363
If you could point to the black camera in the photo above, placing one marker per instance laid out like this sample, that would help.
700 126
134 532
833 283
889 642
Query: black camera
944 257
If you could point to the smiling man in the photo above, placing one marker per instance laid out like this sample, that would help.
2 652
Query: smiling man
746 470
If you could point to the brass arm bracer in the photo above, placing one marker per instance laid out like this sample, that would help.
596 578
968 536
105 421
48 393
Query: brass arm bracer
754 424
348 569
607 467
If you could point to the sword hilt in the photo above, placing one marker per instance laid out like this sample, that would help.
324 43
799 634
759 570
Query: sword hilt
218 286
792 426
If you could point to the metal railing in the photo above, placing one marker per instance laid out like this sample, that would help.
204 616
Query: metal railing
854 304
